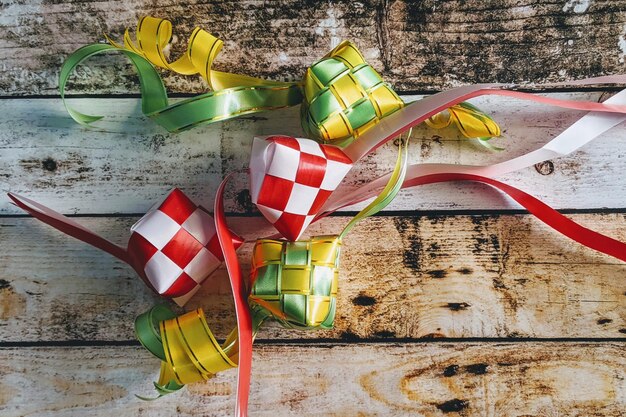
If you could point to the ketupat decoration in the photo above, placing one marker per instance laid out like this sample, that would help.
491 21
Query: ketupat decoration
346 103
173 247
342 95
294 283
291 179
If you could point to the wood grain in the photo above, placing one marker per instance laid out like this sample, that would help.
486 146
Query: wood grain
442 379
401 277
426 45
46 156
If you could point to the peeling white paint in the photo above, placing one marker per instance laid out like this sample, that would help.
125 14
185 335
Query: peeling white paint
578 6
621 43
330 26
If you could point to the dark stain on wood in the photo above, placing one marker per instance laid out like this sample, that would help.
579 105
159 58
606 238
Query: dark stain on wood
410 231
453 406
433 250
83 170
465 271
156 142
545 167
458 306
244 200
604 321
349 336
477 368
431 336
622 331
384 334
4 284
498 284
363 300
437 273
49 164
451 370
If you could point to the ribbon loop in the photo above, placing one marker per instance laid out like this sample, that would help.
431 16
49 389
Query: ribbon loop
191 350
233 95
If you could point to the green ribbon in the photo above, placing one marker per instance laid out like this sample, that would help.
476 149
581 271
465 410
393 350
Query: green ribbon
205 108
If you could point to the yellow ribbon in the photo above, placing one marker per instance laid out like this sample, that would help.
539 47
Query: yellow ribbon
191 351
154 34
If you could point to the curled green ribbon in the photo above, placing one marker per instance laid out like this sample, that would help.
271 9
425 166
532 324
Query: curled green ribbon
248 95
342 96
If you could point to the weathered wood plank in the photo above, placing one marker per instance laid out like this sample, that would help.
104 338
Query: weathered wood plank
416 45
47 156
401 277
432 379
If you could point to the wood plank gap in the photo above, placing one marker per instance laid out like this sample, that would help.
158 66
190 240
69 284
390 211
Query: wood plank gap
594 89
392 213
331 342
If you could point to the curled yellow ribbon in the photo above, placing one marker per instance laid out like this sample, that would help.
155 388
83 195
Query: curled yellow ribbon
343 95
153 36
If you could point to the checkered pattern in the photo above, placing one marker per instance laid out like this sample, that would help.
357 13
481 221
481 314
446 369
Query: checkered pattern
292 178
174 247
344 96
296 282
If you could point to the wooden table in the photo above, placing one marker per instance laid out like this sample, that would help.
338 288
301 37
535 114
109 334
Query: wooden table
452 302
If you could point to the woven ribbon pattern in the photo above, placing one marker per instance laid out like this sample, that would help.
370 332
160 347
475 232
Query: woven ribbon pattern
296 282
344 96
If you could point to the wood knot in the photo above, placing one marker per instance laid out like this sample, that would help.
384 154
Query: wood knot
477 368
451 370
49 164
452 406
437 273
363 300
545 167
458 306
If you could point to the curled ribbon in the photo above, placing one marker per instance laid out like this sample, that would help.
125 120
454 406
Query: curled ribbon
342 96
233 95
173 248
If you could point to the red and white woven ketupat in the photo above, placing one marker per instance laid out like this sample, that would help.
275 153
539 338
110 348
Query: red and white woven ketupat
173 248
291 179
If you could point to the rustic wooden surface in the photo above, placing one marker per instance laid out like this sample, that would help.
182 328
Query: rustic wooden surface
131 164
424 379
494 276
417 45
452 302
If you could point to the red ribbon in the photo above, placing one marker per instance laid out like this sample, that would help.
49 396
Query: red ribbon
542 211
240 294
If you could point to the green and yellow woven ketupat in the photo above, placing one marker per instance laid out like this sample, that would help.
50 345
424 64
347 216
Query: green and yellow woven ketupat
296 282
342 96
